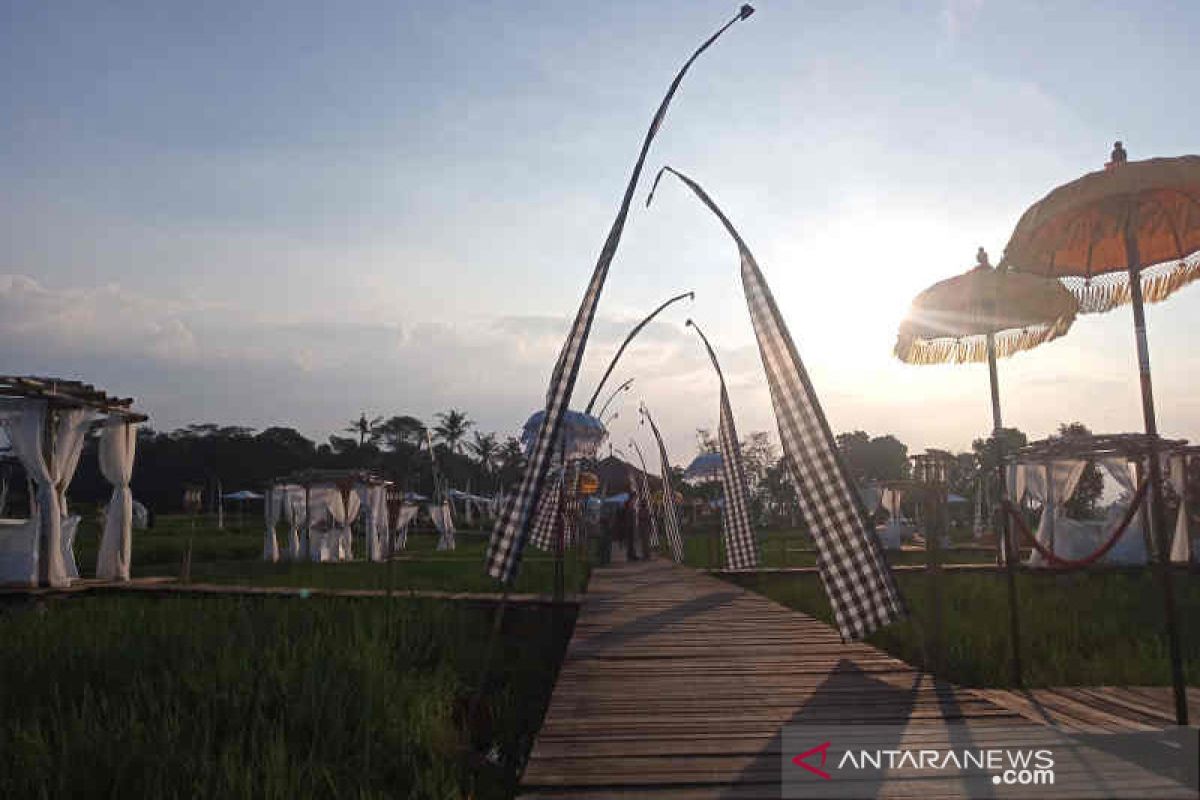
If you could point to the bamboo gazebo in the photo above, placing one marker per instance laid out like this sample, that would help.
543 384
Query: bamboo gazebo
46 421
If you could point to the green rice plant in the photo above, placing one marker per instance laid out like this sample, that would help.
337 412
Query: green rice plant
251 697
1081 629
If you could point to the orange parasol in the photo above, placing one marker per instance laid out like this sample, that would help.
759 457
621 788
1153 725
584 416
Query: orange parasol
977 316
1140 217
1130 233
951 321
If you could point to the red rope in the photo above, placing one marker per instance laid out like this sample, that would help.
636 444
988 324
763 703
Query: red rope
1074 563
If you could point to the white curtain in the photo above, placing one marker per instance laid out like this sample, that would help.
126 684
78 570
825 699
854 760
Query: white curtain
26 429
407 512
292 508
117 445
70 526
68 444
380 535
1181 543
272 507
1052 485
322 545
368 498
444 522
1131 547
345 541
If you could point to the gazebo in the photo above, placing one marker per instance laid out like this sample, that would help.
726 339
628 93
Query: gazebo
323 504
46 421
1048 471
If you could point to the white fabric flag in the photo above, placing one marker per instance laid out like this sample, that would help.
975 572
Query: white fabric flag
117 445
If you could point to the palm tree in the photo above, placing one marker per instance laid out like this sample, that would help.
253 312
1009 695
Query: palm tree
512 459
485 449
451 428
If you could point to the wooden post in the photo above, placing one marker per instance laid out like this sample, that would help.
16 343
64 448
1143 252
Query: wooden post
1158 516
1008 544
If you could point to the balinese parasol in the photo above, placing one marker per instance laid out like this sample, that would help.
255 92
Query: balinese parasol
1129 233
704 467
978 316
579 437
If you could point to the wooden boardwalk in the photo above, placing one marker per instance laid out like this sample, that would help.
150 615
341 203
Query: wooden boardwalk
676 684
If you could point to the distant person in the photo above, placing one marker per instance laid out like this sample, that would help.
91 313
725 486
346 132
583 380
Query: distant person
981 259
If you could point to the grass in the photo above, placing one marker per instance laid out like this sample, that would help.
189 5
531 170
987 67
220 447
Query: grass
258 697
782 547
234 556
1083 629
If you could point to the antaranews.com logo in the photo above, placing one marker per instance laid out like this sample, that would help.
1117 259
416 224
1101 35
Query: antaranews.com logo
1011 767
985 760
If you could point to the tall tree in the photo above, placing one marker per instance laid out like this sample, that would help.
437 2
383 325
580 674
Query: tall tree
451 428
1082 504
512 461
882 458
485 449
1012 439
705 442
400 430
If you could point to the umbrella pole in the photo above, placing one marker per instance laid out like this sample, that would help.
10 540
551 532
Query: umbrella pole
1157 510
1011 553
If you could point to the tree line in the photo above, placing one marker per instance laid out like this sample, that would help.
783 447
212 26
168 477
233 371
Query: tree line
398 448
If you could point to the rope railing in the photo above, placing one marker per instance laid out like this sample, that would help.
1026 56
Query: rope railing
1057 561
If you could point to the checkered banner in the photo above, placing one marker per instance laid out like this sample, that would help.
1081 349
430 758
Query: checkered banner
741 547
641 490
512 527
670 520
545 521
857 579
644 491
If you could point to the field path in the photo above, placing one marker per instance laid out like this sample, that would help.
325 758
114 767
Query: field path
677 684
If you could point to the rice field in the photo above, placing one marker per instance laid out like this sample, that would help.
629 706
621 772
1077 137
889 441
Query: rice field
1082 629
123 696
234 556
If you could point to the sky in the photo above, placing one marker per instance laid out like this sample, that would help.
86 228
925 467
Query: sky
291 213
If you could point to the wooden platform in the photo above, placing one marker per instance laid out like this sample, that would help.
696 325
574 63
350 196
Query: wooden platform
677 684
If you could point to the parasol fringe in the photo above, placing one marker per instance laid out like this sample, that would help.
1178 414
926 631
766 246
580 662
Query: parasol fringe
973 349
1110 291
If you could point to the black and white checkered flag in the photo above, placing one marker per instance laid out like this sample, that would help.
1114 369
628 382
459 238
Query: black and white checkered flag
857 579
512 528
741 547
670 519
545 520
647 500
641 490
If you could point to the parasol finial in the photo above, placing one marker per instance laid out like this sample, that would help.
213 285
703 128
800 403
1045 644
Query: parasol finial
746 11
981 259
1118 156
